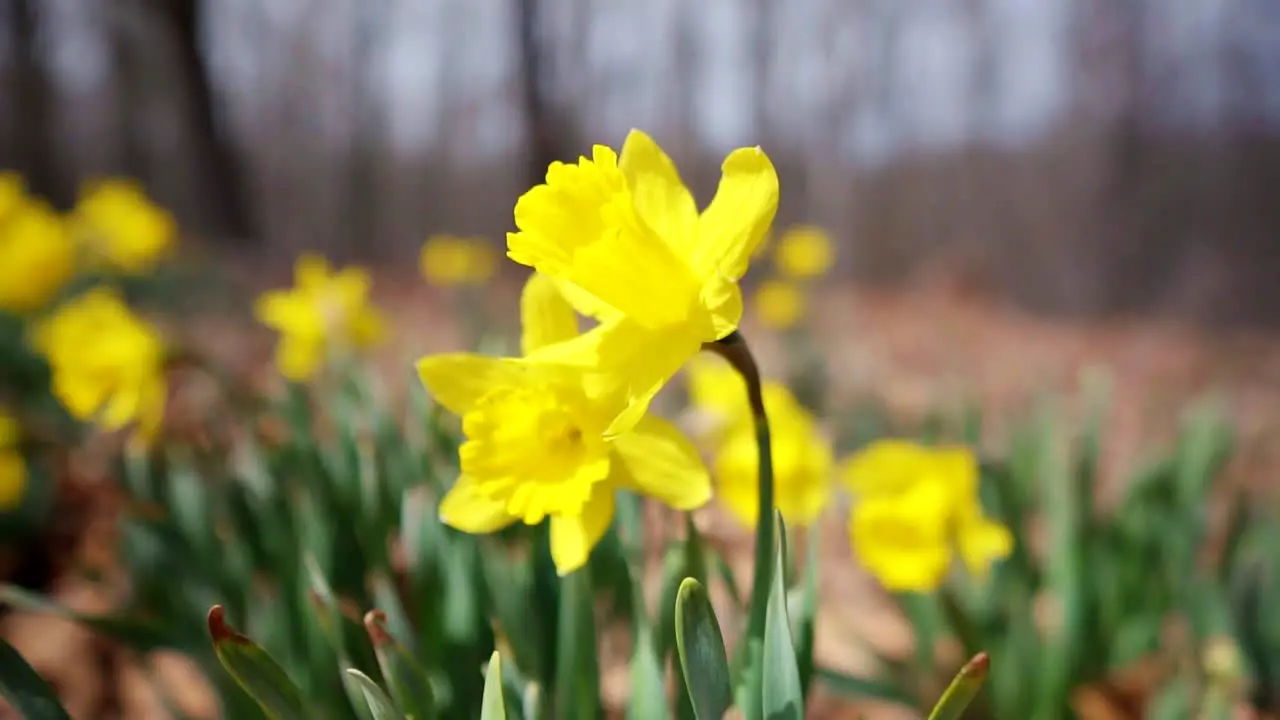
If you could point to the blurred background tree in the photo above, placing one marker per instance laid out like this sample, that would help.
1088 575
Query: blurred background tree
1085 157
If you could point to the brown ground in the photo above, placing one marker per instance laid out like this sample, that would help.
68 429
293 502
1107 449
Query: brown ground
913 350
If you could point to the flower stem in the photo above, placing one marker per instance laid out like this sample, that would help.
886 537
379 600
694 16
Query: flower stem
734 348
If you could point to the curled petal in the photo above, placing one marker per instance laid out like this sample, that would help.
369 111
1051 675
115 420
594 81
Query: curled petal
736 221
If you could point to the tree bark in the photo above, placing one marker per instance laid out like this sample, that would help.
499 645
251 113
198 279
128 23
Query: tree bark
214 148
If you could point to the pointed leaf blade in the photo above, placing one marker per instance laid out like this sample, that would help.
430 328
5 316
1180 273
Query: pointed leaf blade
493 706
963 689
380 706
257 673
782 697
700 646
25 690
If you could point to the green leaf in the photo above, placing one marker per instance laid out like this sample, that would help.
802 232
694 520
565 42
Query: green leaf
380 706
781 695
408 681
806 619
577 676
700 647
137 635
494 706
864 688
25 690
648 692
256 672
963 689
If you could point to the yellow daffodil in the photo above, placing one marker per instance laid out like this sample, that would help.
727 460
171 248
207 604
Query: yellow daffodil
623 238
804 252
918 504
37 256
448 261
108 365
121 227
779 304
903 539
13 469
323 313
536 446
802 463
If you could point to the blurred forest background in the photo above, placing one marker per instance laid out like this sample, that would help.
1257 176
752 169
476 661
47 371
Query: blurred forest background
1079 156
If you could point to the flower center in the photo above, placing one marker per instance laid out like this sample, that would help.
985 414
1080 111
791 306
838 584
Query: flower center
535 449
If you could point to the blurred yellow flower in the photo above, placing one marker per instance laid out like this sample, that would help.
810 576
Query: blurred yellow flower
535 440
917 507
108 365
802 463
779 304
13 469
323 313
449 261
121 227
13 192
902 540
624 241
804 252
37 256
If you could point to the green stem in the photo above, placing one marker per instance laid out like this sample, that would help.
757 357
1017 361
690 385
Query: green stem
733 348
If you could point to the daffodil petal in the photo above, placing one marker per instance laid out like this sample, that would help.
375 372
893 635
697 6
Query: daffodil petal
736 221
657 460
573 536
982 542
660 196
546 317
723 299
586 303
285 310
458 380
467 509
905 552
299 357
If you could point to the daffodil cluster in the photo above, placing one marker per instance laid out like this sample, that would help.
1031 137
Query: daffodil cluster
917 509
618 238
107 364
113 226
803 254
324 314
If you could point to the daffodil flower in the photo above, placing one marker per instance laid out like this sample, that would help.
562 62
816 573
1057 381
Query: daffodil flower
536 446
623 239
918 508
324 312
449 261
804 252
37 255
803 461
108 365
122 227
